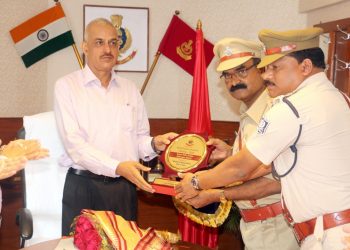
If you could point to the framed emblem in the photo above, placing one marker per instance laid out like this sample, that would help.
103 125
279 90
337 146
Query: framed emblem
131 24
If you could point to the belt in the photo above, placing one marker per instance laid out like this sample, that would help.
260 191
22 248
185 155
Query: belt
306 228
261 213
88 174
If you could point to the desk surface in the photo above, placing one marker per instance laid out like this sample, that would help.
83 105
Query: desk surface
51 244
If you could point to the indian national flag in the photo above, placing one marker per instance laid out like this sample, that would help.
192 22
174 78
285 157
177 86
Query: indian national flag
42 35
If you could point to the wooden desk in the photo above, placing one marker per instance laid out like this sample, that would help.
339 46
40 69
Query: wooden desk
158 211
47 245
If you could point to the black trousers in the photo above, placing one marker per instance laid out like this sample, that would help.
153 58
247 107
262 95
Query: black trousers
82 192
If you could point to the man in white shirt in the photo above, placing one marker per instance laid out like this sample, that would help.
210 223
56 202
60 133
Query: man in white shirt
104 127
262 225
306 135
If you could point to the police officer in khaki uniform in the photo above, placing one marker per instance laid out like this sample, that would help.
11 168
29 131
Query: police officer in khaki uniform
305 135
262 224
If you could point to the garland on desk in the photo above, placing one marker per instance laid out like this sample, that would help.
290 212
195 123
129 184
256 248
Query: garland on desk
210 220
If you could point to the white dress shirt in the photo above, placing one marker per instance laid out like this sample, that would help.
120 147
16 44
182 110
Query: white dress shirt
101 127
319 183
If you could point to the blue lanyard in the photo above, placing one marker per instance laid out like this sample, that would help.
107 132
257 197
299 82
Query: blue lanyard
293 148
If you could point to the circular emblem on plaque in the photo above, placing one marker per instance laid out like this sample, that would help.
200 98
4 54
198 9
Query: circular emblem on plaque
186 152
43 35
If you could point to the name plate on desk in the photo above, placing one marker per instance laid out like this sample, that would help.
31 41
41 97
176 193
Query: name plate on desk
186 153
164 186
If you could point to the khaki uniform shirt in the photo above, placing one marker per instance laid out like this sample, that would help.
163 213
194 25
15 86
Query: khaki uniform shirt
249 121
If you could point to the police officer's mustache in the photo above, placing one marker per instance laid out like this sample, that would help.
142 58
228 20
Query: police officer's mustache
267 82
238 86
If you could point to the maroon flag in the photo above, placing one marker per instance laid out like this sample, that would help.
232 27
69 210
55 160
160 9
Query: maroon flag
199 122
179 46
199 116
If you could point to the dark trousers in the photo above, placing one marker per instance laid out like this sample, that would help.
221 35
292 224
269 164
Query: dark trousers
82 192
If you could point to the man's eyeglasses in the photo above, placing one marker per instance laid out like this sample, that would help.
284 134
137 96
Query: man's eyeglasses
240 73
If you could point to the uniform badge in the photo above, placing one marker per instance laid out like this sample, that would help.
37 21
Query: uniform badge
262 126
228 51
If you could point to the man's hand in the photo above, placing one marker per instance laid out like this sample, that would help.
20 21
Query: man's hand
205 197
131 171
31 149
10 166
221 151
160 141
184 190
346 239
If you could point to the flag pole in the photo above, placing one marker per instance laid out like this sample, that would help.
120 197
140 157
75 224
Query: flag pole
76 52
155 60
156 57
199 24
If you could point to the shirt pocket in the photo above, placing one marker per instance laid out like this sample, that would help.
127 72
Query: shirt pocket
127 117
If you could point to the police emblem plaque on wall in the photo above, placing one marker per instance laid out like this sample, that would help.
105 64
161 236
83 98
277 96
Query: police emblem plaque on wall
132 26
124 39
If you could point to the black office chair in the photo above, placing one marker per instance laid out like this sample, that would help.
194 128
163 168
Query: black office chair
24 220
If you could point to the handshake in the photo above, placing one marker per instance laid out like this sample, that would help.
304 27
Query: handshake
14 156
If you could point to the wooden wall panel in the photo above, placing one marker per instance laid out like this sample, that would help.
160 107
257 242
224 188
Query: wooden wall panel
338 53
9 128
221 129
12 190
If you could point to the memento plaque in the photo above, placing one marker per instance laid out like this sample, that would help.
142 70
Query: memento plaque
187 152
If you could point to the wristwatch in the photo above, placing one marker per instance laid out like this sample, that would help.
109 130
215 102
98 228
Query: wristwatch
195 182
223 196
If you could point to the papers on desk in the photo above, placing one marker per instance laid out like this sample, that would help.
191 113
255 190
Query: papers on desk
66 244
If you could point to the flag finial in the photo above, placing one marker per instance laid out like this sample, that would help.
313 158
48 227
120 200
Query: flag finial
199 24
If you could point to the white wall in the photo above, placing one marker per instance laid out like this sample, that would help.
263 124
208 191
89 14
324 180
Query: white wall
168 92
23 91
308 5
335 11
